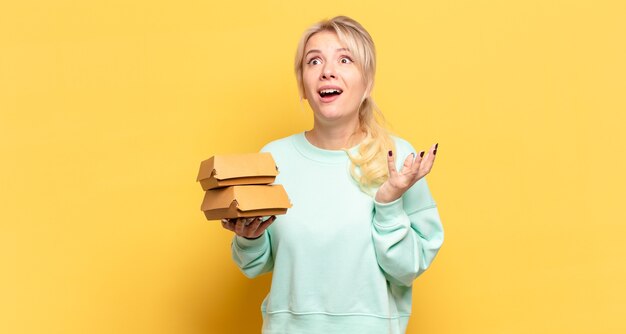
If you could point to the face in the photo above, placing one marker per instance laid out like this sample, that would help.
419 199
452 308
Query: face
333 83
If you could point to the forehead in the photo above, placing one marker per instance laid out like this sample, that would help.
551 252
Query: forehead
324 41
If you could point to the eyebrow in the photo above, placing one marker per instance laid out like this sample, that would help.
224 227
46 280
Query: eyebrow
318 51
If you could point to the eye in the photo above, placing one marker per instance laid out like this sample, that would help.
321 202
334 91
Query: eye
345 60
314 61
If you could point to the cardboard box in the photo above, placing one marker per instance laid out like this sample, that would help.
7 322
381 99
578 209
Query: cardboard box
245 201
237 169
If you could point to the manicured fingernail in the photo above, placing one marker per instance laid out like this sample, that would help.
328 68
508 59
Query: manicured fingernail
390 154
435 152
422 154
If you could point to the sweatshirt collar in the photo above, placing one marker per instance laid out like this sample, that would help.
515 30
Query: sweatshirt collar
319 154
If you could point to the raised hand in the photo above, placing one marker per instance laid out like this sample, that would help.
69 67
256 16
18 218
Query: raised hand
414 168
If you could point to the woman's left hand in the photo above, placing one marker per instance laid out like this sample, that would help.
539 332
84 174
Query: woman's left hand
414 168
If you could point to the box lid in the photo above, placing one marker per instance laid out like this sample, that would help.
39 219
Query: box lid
230 166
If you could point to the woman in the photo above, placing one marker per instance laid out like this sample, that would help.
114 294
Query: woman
362 227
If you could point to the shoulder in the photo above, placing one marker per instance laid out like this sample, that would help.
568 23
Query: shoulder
279 145
283 150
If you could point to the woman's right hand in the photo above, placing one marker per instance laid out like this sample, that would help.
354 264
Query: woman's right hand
249 228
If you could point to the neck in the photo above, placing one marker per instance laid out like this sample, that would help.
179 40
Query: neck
335 137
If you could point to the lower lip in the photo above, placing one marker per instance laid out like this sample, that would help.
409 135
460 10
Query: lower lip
328 99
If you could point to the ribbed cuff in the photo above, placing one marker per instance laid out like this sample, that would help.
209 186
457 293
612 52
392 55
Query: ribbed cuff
388 214
251 245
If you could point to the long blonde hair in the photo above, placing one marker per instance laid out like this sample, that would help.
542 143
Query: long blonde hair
369 164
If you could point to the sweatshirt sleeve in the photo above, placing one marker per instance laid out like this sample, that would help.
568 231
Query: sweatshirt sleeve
407 234
254 257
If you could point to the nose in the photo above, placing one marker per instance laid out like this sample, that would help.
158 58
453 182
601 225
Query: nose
328 72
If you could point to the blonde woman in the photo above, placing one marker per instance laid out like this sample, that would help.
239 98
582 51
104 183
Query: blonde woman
362 227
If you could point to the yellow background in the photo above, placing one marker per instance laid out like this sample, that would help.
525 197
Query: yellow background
108 107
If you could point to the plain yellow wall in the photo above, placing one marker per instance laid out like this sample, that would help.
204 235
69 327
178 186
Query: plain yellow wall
108 107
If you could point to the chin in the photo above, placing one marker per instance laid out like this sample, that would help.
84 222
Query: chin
330 114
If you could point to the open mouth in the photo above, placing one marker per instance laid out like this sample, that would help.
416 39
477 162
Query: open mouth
330 92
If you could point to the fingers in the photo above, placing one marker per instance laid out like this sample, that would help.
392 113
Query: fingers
254 224
414 163
265 224
227 224
391 164
251 227
258 226
408 163
418 162
426 162
243 226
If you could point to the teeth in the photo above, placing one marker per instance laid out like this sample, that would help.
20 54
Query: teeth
330 91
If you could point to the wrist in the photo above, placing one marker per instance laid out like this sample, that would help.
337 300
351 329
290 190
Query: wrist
387 195
253 238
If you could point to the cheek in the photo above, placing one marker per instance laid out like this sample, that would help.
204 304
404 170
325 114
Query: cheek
309 80
306 86
354 78
309 91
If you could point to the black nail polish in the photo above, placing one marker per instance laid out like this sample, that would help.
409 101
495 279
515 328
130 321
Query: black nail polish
435 152
390 154
422 154
436 146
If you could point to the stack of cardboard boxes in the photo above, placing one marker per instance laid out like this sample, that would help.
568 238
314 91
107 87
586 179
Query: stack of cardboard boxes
240 186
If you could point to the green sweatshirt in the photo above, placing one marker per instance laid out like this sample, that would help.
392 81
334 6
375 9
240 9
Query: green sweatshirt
341 262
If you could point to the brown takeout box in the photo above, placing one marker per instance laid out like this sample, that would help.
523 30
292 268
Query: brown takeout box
236 169
245 201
